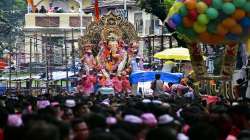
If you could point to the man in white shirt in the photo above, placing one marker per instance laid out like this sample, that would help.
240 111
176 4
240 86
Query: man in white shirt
137 64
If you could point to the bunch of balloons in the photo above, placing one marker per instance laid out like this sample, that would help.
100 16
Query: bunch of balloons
211 21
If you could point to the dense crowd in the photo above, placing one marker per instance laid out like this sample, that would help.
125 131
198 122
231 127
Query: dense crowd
122 117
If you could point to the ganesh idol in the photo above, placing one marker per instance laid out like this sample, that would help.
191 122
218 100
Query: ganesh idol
112 57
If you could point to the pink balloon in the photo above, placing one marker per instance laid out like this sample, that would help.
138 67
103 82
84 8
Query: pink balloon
208 2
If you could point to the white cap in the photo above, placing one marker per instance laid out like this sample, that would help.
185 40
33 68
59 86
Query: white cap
181 136
106 102
133 119
146 101
157 102
235 103
43 104
70 103
165 119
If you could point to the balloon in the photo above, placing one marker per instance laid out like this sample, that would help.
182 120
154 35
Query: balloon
174 9
180 29
208 2
201 7
228 22
237 29
191 33
187 22
221 30
171 24
199 28
247 7
192 14
211 27
239 3
177 19
245 22
212 13
215 39
183 10
239 14
228 8
205 37
191 4
203 19
233 37
217 4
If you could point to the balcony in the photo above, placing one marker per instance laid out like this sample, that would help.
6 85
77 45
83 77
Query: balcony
55 21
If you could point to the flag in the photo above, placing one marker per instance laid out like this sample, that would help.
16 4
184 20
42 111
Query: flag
97 10
3 64
31 5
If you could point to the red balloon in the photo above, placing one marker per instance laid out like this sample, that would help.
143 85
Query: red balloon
208 2
187 22
192 14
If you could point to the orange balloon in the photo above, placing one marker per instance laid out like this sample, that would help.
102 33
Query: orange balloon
221 30
237 29
239 14
229 22
190 4
215 39
205 37
187 22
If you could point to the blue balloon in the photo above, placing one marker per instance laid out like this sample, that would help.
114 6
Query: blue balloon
233 37
245 22
177 19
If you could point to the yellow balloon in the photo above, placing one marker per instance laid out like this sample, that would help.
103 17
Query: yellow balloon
174 9
199 28
201 7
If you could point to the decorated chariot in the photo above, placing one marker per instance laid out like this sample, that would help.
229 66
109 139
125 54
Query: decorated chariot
107 49
108 45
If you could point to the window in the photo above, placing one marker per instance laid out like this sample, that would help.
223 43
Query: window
138 22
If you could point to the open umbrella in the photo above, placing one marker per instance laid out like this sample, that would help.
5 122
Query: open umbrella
174 53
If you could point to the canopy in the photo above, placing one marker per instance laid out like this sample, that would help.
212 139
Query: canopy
60 75
145 76
14 78
174 53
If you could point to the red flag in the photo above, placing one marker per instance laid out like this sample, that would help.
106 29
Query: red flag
96 10
3 64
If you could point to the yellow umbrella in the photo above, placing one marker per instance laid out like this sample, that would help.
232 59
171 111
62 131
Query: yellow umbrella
169 62
174 53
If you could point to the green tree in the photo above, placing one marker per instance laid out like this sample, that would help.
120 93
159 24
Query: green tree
11 20
160 9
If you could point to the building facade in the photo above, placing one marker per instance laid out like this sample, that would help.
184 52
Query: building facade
54 34
47 34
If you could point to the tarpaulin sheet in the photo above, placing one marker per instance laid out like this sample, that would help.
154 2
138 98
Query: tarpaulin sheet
145 76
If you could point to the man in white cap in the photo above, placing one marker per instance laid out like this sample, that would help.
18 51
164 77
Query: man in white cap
137 64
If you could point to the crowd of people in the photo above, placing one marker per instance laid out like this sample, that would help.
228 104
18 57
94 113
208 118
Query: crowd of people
53 9
122 117
93 83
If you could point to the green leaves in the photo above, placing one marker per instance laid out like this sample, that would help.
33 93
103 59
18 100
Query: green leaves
11 19
158 8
